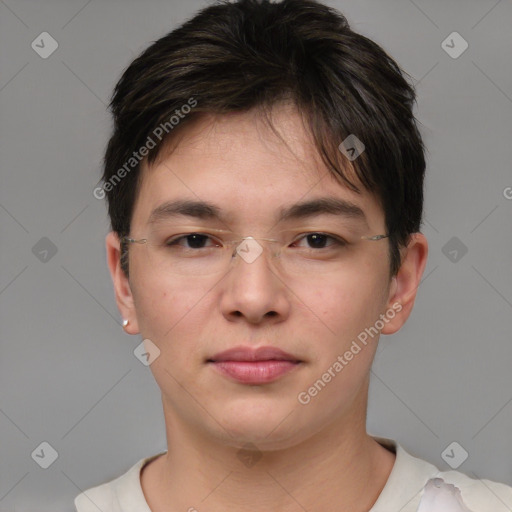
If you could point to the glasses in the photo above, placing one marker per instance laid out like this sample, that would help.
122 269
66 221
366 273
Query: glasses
202 253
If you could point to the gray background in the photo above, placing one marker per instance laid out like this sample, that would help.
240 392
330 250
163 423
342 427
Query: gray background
68 375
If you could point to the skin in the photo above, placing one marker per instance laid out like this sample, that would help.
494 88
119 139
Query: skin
316 456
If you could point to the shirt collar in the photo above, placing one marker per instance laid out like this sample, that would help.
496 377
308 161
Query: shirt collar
404 486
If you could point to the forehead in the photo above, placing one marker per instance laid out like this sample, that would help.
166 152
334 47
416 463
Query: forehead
249 174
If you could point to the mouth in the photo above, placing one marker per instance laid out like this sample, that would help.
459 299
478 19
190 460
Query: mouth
249 354
254 366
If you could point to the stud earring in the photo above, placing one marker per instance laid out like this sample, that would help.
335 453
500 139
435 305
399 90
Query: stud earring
125 322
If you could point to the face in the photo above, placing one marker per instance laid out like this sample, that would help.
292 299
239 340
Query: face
237 163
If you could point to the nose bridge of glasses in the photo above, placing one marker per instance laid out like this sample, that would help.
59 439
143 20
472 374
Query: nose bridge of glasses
249 249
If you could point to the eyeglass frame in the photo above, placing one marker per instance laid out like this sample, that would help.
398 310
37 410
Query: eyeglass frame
236 242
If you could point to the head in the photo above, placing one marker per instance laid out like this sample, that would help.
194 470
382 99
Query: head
246 107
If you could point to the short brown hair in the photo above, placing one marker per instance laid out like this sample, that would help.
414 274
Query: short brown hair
234 56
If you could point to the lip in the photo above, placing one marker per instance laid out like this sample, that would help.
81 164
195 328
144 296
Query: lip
249 354
254 366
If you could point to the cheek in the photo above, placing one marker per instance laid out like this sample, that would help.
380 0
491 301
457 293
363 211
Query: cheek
173 320
168 311
347 304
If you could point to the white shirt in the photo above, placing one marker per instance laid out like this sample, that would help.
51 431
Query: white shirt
414 485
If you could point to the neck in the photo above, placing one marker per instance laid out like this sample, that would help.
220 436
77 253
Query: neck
340 468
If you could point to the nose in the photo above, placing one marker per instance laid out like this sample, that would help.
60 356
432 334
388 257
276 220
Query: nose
253 289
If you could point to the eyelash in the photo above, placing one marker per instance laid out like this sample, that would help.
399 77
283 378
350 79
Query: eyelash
336 239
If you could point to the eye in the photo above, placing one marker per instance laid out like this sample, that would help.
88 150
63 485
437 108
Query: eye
319 240
195 241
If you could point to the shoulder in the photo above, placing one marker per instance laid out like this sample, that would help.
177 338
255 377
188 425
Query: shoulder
96 498
416 485
122 494
479 495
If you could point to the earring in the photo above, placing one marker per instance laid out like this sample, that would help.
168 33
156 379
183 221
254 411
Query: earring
125 322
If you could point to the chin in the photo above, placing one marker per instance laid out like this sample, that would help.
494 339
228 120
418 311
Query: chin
264 429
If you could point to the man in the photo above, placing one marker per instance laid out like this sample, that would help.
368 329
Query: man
265 190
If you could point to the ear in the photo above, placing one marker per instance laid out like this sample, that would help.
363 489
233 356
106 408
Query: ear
123 293
405 284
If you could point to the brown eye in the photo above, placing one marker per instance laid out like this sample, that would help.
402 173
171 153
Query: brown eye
194 240
320 240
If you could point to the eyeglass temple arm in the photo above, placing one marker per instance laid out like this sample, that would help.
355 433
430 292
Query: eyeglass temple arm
374 237
134 240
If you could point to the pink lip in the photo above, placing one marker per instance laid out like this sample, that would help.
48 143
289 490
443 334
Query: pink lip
253 354
254 366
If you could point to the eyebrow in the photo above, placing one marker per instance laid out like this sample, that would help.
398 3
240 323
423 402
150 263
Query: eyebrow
302 210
